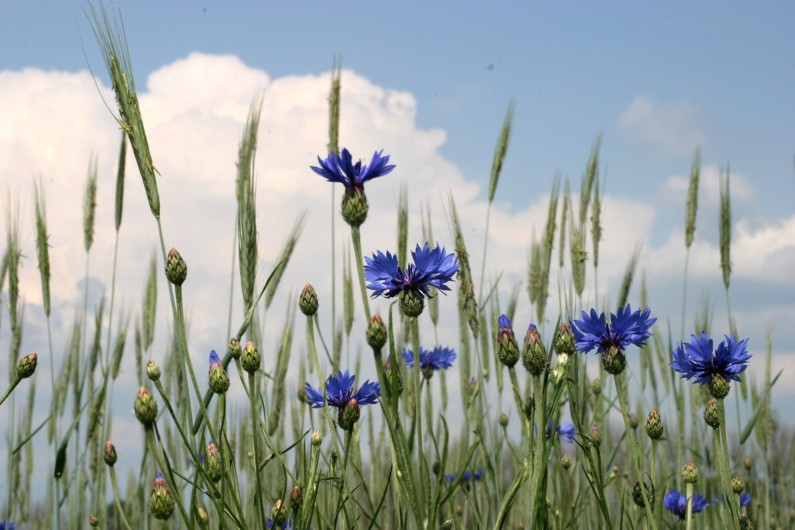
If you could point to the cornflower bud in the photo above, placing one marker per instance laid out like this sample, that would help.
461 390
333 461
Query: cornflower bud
279 513
565 461
711 414
176 268
564 340
738 486
296 499
745 523
596 435
316 438
376 332
93 521
219 379
234 349
27 365
507 349
654 425
145 407
748 463
161 501
411 302
307 303
690 472
152 370
212 462
251 358
534 356
633 421
354 207
203 517
596 387
110 454
637 495
503 420
613 360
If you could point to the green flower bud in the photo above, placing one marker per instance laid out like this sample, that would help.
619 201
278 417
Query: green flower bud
145 407
152 370
503 420
596 386
316 438
565 461
234 350
633 421
349 415
711 414
279 513
296 500
507 349
745 523
219 379
748 463
376 333
411 303
564 340
354 207
27 365
690 472
176 268
212 462
637 495
110 454
161 501
203 517
93 521
596 436
614 361
534 356
447 525
718 387
251 358
738 486
654 425
307 303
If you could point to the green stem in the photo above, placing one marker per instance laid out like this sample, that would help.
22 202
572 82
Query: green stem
357 251
689 512
259 493
538 499
623 399
117 499
156 451
731 498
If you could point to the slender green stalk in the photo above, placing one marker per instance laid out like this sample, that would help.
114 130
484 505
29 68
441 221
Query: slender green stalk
117 499
157 451
357 251
689 512
259 492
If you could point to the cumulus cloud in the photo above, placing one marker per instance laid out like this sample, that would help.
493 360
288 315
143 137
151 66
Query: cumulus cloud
670 127
742 192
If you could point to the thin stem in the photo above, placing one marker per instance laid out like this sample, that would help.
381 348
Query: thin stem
117 499
156 451
357 251
259 493
689 512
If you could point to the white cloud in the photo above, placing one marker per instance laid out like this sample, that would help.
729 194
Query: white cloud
671 127
741 190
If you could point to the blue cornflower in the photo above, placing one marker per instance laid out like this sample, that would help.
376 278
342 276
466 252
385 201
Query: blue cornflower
625 328
466 476
566 432
698 360
439 358
336 168
288 524
431 268
6 525
339 392
676 503
745 500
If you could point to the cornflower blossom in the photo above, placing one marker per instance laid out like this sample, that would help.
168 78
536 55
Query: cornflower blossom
339 392
625 328
439 358
466 476
745 500
336 168
676 503
566 432
431 268
697 360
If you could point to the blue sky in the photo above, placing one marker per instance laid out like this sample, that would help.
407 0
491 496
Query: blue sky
429 82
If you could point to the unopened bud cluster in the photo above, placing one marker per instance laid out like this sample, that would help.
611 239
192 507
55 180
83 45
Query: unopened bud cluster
176 268
145 407
161 500
507 349
654 425
251 358
27 365
307 303
376 333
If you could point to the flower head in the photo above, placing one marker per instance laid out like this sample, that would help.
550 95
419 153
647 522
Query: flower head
7 525
676 503
698 360
625 328
466 476
745 499
431 268
339 392
340 168
566 432
438 358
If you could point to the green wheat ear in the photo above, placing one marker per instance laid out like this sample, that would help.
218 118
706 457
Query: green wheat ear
246 184
90 204
692 199
113 46
42 244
